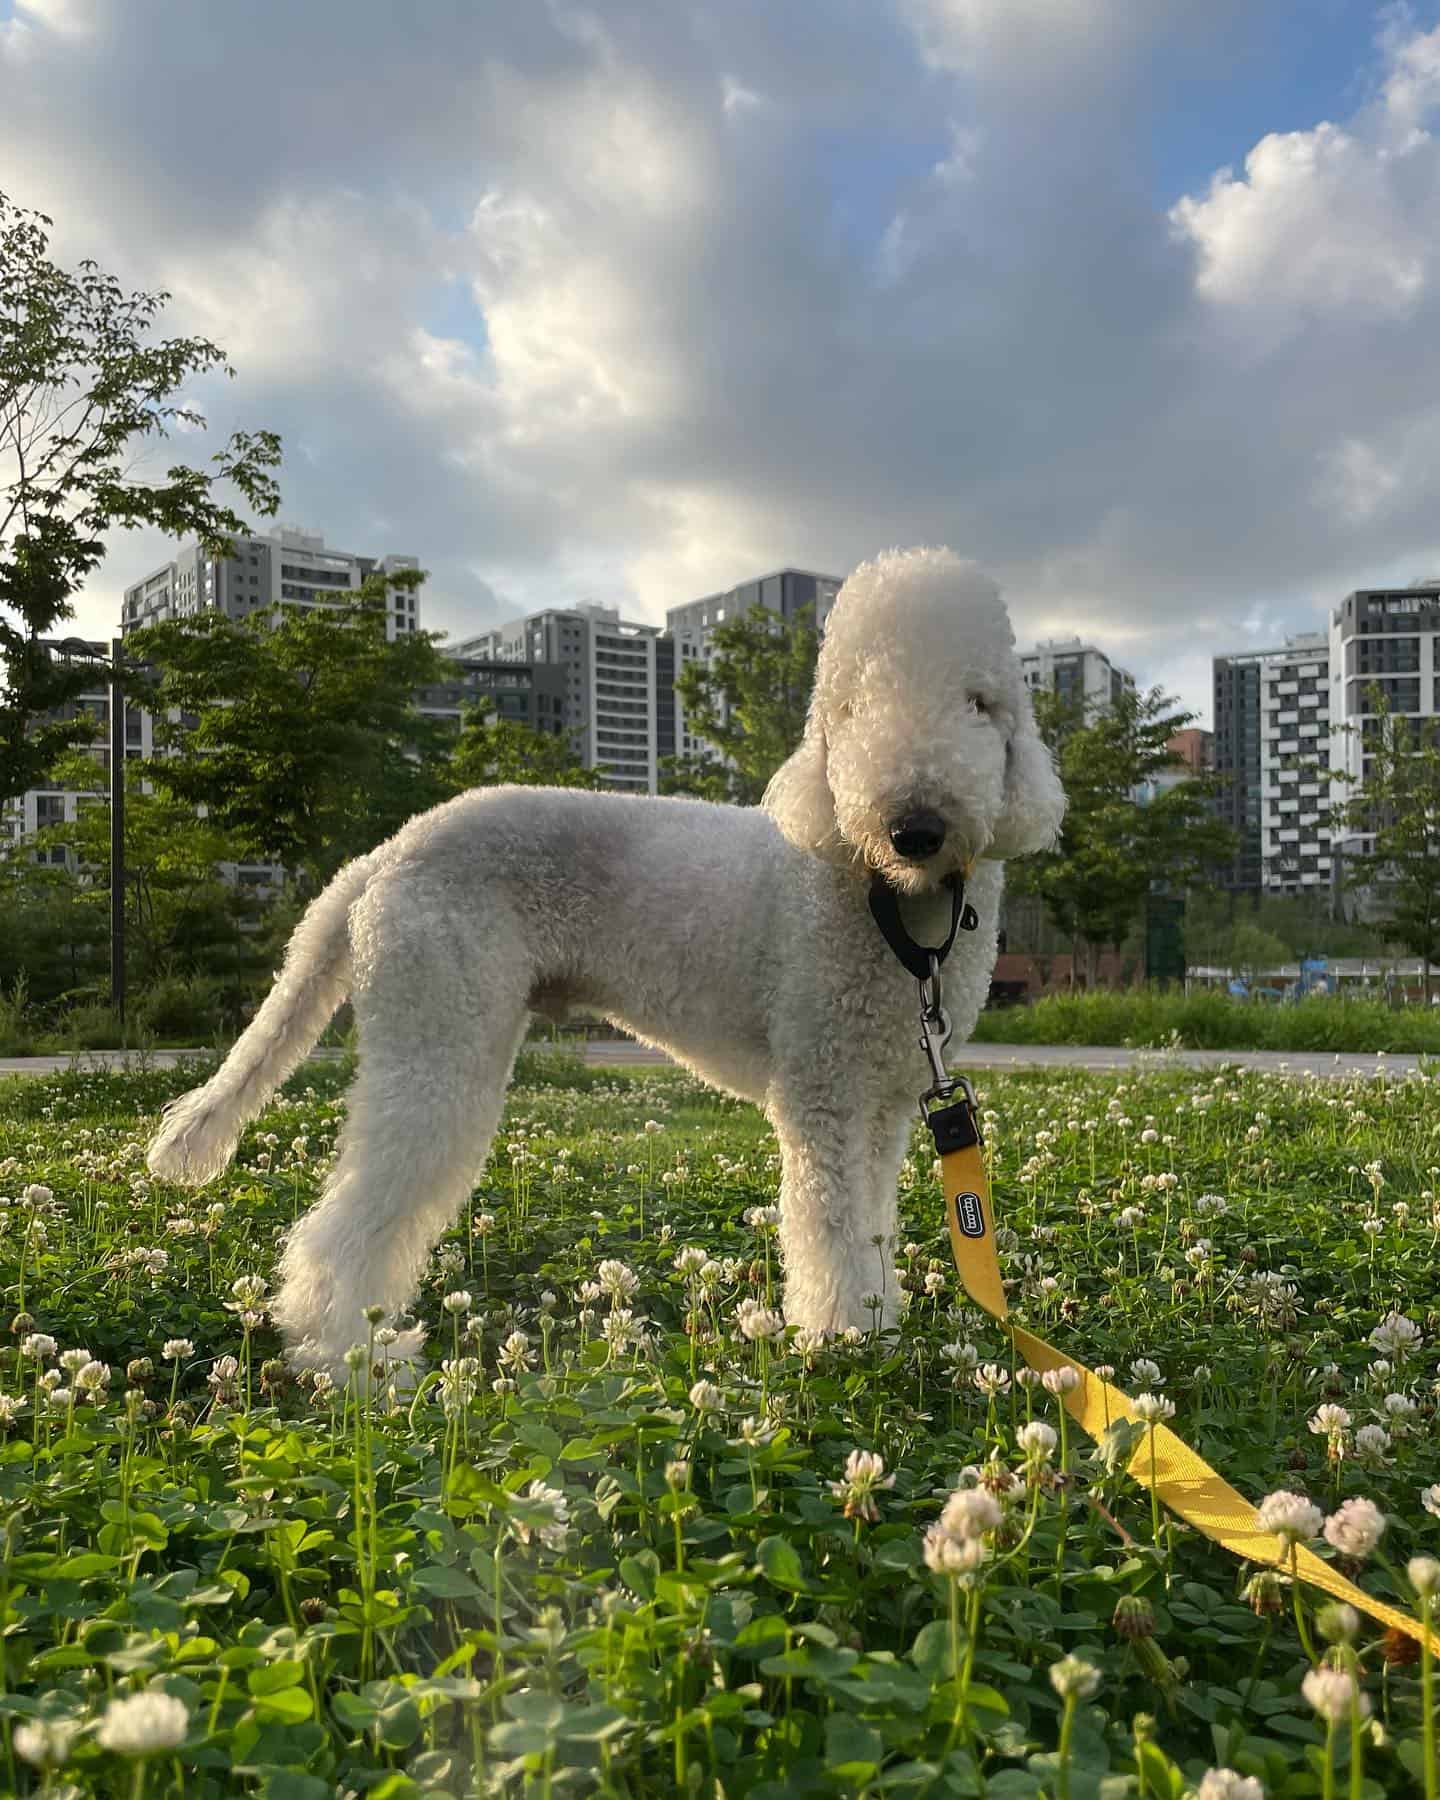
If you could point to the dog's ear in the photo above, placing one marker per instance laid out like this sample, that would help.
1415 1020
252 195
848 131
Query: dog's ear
1034 798
798 797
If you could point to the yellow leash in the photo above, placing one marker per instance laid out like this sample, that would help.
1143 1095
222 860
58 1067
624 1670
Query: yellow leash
1184 1481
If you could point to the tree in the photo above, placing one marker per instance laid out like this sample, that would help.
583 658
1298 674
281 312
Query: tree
80 392
1396 806
748 702
179 911
1253 952
300 736
1114 847
491 751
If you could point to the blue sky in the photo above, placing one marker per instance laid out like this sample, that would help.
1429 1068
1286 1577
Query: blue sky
630 300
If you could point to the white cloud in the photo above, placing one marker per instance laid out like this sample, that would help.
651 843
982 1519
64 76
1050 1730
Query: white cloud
682 369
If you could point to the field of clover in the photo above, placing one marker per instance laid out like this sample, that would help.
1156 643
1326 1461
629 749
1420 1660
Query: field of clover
630 1536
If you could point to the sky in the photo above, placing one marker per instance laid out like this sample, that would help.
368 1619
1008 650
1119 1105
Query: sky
1138 306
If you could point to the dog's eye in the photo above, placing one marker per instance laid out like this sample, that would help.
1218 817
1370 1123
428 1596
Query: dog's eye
976 703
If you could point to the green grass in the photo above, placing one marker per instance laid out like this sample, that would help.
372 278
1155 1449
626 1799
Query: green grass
518 1591
1153 1017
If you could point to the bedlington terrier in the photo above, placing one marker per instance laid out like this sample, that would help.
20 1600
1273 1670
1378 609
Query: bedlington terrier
739 940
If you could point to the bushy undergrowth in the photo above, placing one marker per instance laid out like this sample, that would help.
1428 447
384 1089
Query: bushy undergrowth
630 1537
1153 1017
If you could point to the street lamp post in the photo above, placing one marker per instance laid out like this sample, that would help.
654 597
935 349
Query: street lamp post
79 647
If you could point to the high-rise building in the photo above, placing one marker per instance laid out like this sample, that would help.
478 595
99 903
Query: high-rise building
618 679
531 694
690 628
1077 673
277 571
1386 639
1272 734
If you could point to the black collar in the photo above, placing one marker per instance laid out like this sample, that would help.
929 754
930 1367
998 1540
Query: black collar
885 908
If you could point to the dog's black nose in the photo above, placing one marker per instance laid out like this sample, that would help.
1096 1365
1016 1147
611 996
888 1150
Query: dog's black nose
918 836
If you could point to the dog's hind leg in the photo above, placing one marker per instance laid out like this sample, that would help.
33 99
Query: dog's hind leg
440 1005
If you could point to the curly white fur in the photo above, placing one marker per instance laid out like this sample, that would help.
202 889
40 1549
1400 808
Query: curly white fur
739 940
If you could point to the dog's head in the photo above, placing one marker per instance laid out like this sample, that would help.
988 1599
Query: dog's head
920 750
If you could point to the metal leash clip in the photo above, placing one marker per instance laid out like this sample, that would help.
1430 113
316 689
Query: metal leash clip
935 1029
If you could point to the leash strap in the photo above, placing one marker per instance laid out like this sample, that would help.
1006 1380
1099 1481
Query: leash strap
1184 1481
885 909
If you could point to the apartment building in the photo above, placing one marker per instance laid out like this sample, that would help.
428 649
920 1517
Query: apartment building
619 678
1385 639
1272 749
288 569
1080 674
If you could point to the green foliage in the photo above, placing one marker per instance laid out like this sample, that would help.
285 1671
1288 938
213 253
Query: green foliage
1113 849
471 1592
81 392
1301 922
299 736
491 751
1209 1020
1398 805
749 702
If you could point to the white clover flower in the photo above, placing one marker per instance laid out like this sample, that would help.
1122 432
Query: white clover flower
225 1375
73 1360
458 1302
705 1397
690 1260
1329 1421
762 1218
1430 1499
1073 1676
1333 1694
948 1555
1147 1373
1037 1440
1424 1573
760 1322
991 1379
92 1378
484 1224
1152 1409
970 1513
617 1280
145 1724
515 1353
39 1346
622 1329
1400 1407
552 1533
1372 1443
1063 1380
1355 1527
1396 1335
176 1349
864 1475
1225 1784
1290 1517
46 1743
246 1293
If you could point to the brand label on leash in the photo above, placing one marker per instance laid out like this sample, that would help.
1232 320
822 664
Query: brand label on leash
970 1215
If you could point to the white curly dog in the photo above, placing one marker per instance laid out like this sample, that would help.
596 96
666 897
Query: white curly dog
737 939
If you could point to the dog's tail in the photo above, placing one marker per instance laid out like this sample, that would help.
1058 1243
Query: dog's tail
199 1130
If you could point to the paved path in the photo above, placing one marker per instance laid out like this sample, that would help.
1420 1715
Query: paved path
621 1053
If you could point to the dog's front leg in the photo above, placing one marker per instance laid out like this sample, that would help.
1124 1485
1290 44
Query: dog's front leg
837 1225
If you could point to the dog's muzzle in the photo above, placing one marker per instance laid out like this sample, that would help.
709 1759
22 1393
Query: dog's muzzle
918 836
